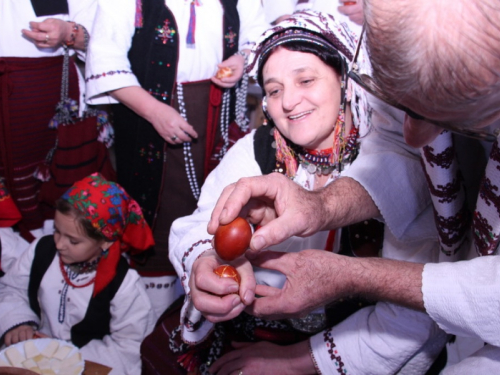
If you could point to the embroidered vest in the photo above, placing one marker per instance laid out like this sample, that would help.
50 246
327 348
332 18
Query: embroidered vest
154 56
95 324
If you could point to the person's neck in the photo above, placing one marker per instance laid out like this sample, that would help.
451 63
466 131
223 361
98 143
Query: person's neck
85 267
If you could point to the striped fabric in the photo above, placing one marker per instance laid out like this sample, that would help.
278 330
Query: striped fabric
29 91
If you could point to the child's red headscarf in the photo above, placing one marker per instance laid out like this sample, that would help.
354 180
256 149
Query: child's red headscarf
114 214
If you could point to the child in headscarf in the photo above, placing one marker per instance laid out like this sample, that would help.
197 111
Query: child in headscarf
75 285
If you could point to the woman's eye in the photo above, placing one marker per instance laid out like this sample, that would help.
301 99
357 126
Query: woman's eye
74 242
307 81
273 92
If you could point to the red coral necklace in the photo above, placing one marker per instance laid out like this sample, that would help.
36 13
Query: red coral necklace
68 281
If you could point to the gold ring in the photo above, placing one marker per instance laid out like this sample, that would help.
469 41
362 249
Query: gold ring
46 38
174 138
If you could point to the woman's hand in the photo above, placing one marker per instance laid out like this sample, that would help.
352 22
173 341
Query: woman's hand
237 64
51 33
21 333
170 124
265 358
354 12
220 299
165 119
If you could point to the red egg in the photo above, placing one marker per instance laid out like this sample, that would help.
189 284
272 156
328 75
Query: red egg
228 271
233 239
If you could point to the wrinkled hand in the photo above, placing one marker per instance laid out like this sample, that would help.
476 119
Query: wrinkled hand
354 12
21 333
313 279
57 31
237 65
170 124
220 299
279 205
265 358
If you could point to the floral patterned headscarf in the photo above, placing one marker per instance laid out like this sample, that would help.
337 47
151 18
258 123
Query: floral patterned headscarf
115 215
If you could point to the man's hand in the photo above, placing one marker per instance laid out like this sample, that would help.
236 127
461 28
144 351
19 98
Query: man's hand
280 206
283 209
313 279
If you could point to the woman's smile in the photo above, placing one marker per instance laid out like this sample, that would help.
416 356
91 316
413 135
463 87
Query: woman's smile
300 116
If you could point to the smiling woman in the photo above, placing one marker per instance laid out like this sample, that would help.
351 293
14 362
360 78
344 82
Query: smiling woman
312 138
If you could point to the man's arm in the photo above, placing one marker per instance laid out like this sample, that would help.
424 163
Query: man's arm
285 209
315 278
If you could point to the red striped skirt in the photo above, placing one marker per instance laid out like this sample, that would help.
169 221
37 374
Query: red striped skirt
30 89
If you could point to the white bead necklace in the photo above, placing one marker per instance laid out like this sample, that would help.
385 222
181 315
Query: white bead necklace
241 120
188 156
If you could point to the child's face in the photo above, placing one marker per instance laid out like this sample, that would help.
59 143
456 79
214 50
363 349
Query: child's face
72 243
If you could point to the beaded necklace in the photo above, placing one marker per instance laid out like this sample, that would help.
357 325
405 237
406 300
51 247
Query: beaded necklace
317 161
84 267
74 274
68 276
241 120
188 156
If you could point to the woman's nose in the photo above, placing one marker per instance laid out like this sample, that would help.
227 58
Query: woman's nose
291 97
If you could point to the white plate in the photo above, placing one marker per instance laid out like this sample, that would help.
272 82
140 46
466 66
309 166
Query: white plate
41 344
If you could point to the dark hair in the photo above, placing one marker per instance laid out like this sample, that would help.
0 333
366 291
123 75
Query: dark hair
329 56
66 208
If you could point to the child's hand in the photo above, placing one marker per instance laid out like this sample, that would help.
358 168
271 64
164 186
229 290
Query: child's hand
39 335
18 334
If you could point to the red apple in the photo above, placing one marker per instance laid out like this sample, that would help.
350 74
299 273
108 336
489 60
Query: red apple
233 239
228 271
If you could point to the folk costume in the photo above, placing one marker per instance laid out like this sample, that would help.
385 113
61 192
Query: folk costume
171 49
99 306
377 339
462 297
30 89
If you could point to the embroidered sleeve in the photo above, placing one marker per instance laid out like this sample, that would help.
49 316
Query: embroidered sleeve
107 66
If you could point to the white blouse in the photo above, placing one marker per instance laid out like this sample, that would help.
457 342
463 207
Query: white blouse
114 28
